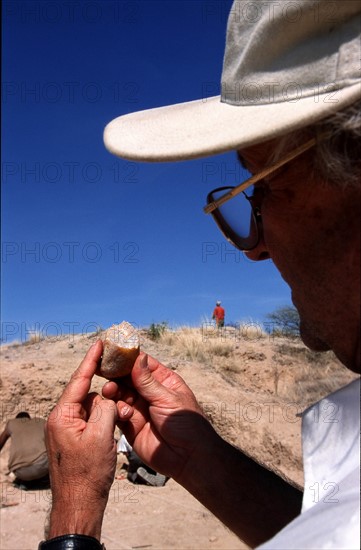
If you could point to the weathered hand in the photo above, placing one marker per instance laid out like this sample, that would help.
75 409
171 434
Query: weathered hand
160 416
163 421
82 453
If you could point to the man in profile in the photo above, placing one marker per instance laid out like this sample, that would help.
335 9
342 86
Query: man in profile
291 109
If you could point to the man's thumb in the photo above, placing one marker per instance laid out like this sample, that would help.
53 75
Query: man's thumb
144 382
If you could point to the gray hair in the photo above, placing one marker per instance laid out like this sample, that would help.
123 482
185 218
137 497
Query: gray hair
338 158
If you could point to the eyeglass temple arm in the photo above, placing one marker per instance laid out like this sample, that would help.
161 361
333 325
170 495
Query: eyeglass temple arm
259 176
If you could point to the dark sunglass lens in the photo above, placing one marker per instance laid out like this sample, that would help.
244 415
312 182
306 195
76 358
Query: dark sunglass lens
237 213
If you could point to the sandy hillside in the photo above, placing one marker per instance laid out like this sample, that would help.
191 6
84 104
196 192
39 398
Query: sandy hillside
252 387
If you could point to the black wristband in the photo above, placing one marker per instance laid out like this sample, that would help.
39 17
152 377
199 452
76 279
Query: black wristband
71 542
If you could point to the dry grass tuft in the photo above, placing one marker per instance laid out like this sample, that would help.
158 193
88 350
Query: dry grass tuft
35 337
191 343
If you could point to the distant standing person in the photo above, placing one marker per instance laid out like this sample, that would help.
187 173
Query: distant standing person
218 315
28 459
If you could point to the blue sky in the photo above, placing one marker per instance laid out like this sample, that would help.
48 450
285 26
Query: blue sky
89 239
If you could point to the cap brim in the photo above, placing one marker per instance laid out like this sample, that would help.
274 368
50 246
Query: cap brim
208 127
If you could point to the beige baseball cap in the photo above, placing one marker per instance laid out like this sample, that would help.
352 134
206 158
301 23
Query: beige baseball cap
286 65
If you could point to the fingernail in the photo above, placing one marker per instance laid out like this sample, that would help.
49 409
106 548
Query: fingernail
144 361
125 410
95 343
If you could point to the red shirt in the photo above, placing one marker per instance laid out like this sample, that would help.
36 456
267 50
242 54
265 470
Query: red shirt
218 313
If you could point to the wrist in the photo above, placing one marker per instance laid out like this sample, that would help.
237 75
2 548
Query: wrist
81 519
77 508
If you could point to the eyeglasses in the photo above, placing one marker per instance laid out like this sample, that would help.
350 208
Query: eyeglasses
240 221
